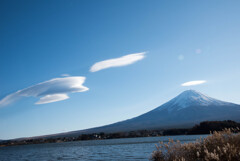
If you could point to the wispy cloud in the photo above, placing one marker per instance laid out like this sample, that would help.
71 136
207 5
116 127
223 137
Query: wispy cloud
193 83
49 91
65 75
117 62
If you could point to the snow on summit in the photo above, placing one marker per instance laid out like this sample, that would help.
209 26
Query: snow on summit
191 98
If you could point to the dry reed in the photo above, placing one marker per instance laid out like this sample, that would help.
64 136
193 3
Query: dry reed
220 146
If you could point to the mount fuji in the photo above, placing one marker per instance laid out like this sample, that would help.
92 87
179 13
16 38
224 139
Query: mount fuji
184 111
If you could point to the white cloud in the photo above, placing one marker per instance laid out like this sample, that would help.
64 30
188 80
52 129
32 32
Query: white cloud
65 75
193 83
117 62
52 98
49 91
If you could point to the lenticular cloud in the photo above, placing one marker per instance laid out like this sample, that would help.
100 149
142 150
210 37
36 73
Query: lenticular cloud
49 91
117 62
193 83
52 98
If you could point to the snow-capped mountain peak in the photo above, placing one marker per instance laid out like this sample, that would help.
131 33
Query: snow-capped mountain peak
190 98
183 111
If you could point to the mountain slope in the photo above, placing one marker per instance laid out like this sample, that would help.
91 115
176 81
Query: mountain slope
183 111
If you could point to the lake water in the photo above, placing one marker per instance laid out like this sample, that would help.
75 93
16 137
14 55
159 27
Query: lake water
113 149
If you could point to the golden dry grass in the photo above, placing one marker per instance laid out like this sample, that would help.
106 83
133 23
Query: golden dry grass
220 146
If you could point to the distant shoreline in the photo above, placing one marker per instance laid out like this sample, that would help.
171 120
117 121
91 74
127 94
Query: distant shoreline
205 127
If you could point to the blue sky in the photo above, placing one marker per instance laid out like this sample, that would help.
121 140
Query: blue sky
42 40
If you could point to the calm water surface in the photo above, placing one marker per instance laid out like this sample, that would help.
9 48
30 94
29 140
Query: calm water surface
114 149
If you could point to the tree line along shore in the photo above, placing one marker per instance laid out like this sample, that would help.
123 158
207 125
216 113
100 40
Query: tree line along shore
205 127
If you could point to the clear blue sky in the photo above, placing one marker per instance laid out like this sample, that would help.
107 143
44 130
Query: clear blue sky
184 40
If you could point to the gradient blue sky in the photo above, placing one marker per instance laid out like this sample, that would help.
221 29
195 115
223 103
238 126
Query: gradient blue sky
41 40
